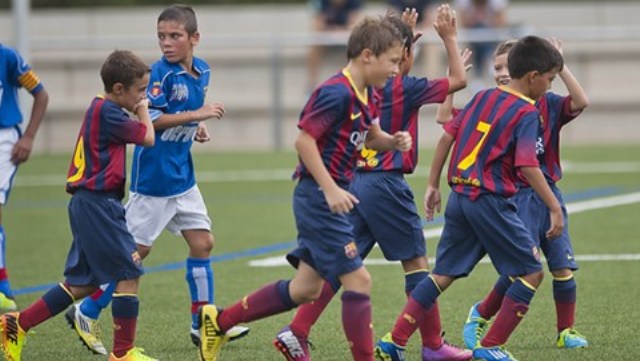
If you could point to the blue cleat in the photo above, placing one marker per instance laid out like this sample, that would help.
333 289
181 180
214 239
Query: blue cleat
496 353
570 338
387 350
474 328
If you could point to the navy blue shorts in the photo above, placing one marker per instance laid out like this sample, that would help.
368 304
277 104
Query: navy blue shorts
535 215
386 214
102 250
325 239
487 225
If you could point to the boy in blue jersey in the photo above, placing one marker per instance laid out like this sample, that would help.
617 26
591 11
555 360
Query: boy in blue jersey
163 192
556 112
15 147
387 213
495 139
339 118
102 250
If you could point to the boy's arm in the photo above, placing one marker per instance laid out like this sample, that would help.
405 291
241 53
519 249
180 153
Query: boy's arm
536 180
339 200
378 139
207 111
22 149
445 26
432 201
445 110
142 111
579 99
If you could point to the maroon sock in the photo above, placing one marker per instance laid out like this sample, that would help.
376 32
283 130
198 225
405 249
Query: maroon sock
124 335
54 301
307 314
508 318
269 300
356 321
566 315
431 328
35 314
491 304
411 317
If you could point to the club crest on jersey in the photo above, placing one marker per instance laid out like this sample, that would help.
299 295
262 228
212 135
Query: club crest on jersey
179 92
350 250
156 90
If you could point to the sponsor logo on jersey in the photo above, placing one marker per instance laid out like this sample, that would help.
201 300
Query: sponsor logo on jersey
179 92
181 133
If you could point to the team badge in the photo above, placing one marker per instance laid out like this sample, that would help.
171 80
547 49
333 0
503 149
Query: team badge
350 250
156 90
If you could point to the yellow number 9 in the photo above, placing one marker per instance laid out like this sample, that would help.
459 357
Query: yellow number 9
78 161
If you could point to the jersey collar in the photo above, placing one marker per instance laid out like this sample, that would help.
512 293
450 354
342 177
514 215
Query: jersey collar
362 97
517 93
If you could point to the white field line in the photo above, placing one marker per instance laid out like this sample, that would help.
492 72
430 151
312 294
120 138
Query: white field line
257 175
572 208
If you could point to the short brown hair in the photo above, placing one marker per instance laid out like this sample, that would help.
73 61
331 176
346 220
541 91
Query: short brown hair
533 53
122 66
504 47
181 14
375 34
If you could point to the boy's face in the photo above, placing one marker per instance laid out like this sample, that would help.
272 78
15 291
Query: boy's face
130 97
175 43
541 83
384 66
501 69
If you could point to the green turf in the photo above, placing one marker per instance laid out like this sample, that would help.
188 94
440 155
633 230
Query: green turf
251 214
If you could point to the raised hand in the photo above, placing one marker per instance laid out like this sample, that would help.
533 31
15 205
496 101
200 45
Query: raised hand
445 23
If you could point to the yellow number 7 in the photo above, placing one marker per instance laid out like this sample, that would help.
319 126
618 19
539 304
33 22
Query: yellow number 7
471 158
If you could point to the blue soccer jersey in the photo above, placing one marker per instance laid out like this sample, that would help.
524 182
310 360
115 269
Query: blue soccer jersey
338 119
98 162
14 73
166 169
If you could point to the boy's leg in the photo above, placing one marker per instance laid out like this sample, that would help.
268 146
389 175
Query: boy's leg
480 313
6 295
356 313
564 295
8 138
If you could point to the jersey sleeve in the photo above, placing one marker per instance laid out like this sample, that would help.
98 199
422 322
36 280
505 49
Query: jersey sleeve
159 85
526 135
325 107
422 91
23 74
561 105
120 128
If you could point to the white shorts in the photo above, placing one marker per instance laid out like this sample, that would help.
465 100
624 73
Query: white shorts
8 139
147 216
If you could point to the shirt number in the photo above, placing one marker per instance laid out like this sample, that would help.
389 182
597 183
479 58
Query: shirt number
78 161
470 159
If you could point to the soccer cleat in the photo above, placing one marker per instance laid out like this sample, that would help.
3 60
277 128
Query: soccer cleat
211 336
446 352
474 328
387 350
234 333
7 304
88 329
13 336
293 348
496 353
135 354
570 338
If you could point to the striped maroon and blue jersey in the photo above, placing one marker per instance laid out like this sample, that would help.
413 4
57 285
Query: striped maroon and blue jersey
556 112
402 98
99 159
495 134
338 119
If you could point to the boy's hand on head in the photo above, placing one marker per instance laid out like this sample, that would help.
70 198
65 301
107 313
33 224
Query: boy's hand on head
208 111
465 57
202 133
402 141
557 43
432 202
22 150
557 224
339 200
445 23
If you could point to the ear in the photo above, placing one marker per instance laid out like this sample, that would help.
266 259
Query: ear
367 55
532 76
195 38
118 89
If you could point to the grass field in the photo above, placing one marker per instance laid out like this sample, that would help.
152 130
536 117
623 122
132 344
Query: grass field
252 216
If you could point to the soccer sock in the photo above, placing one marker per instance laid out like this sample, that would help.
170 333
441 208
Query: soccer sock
56 300
356 322
421 300
491 304
564 294
430 328
269 300
199 277
97 301
5 287
125 315
514 306
307 314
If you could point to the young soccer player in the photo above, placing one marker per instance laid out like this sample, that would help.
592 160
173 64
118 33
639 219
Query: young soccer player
338 119
163 192
495 139
15 147
556 111
102 249
387 213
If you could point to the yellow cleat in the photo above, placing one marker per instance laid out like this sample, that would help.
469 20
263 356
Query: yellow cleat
13 336
88 329
212 337
135 354
7 304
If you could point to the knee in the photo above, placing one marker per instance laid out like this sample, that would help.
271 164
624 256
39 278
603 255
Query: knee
562 273
535 279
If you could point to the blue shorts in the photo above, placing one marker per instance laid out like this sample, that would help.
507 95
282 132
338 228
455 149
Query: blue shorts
325 239
102 250
386 214
487 225
535 216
